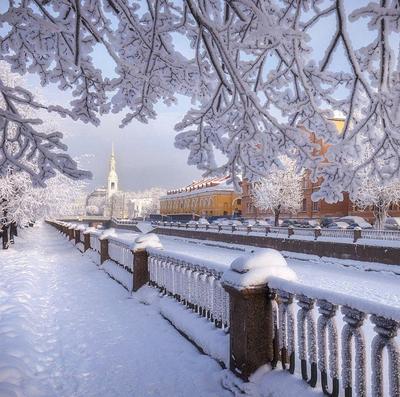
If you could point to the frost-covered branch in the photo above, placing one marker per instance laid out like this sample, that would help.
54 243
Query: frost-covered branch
256 79
24 144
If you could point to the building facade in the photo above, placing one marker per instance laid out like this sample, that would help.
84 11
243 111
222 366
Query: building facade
210 197
309 209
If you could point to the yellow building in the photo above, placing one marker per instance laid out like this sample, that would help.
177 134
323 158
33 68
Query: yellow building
210 197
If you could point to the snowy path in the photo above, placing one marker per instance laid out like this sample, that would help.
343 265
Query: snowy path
66 329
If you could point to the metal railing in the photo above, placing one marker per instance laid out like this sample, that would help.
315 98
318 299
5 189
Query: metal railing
381 234
272 231
120 253
196 287
123 221
95 242
337 360
338 233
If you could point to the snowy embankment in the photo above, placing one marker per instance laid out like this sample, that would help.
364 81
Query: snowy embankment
67 330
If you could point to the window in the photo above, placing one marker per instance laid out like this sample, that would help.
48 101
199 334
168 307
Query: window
304 205
315 206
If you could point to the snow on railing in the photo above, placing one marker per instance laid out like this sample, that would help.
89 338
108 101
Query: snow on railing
279 230
196 287
95 242
318 340
338 233
272 231
380 234
123 221
303 232
120 253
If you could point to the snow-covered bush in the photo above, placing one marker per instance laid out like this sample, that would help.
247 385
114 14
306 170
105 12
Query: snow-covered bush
280 191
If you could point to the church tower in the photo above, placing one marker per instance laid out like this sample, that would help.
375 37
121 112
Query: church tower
112 184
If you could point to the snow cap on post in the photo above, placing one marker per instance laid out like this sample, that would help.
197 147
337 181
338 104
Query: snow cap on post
144 241
108 233
256 268
89 230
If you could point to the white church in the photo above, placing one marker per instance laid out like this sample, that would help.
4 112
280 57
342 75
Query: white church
111 202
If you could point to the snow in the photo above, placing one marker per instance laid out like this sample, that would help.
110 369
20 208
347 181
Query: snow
145 227
118 273
68 330
147 241
256 269
214 341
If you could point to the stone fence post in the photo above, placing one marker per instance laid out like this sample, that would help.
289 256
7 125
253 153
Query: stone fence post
140 259
71 233
86 241
357 233
77 236
251 313
103 250
251 329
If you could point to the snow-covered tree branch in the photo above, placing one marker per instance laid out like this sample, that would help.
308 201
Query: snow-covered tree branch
281 191
251 68
26 143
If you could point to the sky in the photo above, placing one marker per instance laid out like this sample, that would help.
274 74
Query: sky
145 153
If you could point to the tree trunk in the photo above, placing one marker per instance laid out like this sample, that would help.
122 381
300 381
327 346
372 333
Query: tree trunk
380 213
13 232
276 214
5 237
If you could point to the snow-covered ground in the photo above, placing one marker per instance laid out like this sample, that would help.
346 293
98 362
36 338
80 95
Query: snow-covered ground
68 330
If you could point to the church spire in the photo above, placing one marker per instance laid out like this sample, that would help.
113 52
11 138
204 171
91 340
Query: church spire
112 185
112 160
